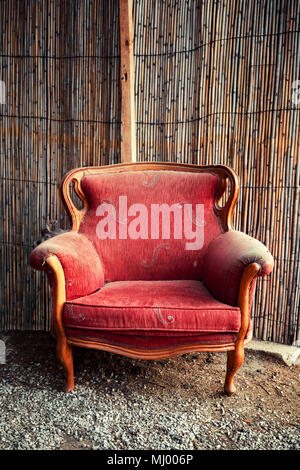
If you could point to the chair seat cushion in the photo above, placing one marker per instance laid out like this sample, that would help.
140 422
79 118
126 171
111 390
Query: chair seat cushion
148 312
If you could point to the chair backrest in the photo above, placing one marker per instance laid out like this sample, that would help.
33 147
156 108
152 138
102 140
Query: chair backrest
151 220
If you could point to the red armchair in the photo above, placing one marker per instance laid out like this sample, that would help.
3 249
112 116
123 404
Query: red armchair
152 267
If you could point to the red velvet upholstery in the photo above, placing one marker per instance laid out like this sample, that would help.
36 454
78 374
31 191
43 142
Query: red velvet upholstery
166 306
79 259
151 342
161 312
150 259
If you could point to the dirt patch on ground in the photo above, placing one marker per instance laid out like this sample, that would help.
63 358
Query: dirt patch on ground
264 414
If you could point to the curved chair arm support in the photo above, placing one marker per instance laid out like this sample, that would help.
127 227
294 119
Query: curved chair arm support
58 286
235 358
63 349
244 299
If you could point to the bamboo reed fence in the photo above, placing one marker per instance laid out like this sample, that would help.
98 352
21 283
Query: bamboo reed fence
213 84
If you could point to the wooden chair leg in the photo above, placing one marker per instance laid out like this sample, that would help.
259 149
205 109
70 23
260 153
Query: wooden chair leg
65 356
64 351
235 359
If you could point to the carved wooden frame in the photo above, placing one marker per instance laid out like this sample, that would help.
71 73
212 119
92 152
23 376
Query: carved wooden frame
225 174
235 350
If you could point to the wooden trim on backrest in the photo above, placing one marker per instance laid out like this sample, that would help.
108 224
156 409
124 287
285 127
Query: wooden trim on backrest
226 175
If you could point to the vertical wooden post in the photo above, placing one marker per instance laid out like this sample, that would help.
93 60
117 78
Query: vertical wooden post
128 129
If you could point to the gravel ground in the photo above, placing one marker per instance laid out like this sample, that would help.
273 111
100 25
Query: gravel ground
125 404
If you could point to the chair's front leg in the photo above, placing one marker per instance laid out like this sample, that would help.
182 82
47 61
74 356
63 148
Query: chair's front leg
235 358
64 351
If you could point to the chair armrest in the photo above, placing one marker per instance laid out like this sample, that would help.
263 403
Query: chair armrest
225 260
80 262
